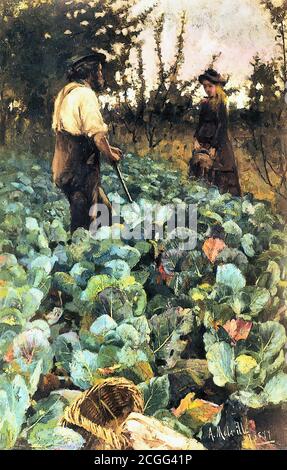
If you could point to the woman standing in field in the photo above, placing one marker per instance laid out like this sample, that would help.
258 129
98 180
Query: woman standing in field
211 136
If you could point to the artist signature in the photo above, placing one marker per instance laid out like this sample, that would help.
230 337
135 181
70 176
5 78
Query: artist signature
238 429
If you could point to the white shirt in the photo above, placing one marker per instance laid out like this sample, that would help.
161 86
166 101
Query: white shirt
77 111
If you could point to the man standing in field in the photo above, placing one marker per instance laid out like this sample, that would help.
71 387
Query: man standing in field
81 134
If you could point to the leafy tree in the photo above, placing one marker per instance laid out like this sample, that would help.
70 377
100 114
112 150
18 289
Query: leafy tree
278 15
170 99
266 149
39 37
7 11
264 94
167 83
131 112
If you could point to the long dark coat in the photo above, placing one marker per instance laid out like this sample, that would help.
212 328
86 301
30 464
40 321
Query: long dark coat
212 131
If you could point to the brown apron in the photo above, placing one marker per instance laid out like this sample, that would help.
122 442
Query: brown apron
76 171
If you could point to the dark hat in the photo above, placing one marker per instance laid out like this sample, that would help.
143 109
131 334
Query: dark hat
212 76
77 61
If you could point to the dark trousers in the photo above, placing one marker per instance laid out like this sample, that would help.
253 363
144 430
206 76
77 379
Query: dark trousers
79 209
82 192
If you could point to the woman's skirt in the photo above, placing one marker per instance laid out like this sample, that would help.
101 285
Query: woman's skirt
223 173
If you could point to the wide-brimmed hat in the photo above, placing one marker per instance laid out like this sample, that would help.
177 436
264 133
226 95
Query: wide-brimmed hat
91 57
212 76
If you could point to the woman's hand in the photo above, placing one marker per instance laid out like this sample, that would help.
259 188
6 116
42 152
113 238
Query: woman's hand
196 145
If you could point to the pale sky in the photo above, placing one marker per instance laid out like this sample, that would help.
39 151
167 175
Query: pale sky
237 28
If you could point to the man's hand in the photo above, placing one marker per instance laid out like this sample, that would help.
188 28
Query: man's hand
116 154
113 154
117 150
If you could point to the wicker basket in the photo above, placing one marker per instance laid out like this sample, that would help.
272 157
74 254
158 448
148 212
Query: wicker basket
201 163
98 413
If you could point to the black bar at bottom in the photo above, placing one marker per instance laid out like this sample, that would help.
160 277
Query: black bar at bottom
126 459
